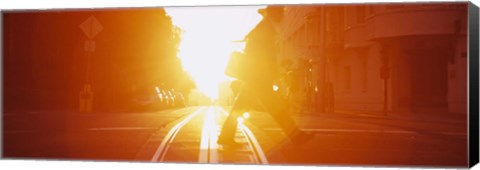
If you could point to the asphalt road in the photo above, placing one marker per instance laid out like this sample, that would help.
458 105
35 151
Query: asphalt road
189 134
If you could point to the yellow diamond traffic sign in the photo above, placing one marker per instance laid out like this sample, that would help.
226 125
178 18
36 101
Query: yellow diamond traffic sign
91 27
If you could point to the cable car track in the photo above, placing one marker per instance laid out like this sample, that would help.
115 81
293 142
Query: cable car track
208 150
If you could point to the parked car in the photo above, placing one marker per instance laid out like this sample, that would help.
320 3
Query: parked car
146 100
179 100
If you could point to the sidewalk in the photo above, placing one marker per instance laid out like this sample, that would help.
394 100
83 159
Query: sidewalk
420 117
417 117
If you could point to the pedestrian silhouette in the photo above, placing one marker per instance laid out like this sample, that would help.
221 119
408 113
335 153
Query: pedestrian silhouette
257 70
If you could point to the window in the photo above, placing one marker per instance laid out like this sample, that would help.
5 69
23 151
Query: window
329 16
457 6
312 33
365 71
349 16
433 5
346 16
348 77
303 35
329 27
394 6
370 10
360 13
297 38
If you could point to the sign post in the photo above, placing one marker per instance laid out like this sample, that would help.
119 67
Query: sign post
385 75
91 27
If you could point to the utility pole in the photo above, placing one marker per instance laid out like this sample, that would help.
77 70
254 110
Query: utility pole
385 75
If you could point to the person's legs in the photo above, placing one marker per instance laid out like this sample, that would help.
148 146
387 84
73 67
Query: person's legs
229 127
278 110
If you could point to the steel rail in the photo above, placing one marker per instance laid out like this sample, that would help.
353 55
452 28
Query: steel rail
167 140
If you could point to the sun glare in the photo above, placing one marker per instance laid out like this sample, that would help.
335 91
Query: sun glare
208 36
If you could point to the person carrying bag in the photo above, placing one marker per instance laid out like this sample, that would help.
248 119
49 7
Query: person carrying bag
257 69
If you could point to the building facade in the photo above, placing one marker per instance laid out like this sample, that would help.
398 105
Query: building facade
404 58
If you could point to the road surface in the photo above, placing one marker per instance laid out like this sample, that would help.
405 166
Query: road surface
188 135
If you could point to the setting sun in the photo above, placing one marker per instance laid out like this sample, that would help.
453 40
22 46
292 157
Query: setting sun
208 39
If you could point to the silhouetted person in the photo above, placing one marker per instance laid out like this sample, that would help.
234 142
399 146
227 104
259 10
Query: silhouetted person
257 87
236 85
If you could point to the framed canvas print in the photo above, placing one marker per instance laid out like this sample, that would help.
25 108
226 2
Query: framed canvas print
359 84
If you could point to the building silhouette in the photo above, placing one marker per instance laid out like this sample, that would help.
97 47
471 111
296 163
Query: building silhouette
45 58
